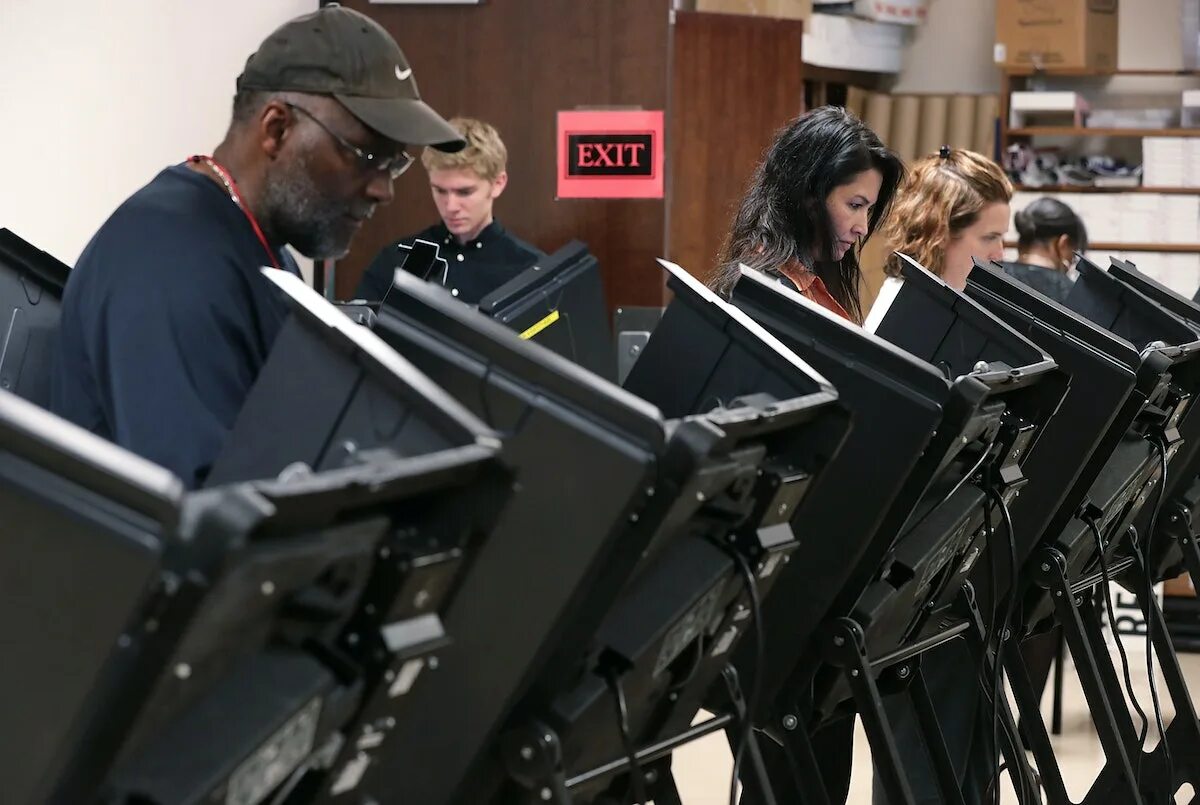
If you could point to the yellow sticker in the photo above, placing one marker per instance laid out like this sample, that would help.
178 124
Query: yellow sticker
541 325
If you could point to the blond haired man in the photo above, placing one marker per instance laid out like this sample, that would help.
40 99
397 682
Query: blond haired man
481 254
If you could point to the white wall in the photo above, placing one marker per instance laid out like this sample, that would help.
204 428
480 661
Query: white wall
952 52
97 97
1149 34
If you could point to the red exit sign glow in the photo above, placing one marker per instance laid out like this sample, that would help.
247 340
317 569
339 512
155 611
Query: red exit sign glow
610 154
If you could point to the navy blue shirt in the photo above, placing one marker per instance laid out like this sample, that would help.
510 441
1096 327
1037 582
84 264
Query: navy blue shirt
474 269
166 323
1046 281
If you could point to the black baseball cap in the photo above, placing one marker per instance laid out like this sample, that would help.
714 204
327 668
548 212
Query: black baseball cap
340 52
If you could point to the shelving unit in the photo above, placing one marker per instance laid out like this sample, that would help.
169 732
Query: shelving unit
1183 608
1017 78
1171 248
1067 188
1085 72
1084 131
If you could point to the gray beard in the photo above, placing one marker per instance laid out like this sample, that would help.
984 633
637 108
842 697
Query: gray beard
302 216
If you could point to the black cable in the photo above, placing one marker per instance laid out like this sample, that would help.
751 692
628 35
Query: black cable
989 534
998 626
1009 608
999 635
992 790
987 794
1112 622
759 661
28 296
1150 608
957 486
635 767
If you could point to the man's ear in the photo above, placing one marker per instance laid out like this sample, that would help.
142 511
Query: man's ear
274 124
499 183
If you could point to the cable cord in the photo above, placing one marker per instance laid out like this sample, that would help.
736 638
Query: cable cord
1112 622
751 700
637 781
989 532
989 638
28 296
957 486
1001 637
1150 608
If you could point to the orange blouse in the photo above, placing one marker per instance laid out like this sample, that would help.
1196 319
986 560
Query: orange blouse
811 286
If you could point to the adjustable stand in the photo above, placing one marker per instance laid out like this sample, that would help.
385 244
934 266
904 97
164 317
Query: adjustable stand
845 648
1180 528
533 758
1019 771
1099 683
1183 734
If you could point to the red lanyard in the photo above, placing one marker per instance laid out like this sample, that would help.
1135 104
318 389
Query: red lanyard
235 194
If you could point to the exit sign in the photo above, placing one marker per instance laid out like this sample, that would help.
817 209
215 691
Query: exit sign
610 154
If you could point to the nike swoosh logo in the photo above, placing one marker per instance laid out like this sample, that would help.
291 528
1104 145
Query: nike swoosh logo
403 74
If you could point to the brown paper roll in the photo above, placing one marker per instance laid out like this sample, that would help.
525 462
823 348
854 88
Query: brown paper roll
856 102
932 132
961 131
986 109
879 115
906 122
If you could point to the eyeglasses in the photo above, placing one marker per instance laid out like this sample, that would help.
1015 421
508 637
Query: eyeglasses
393 166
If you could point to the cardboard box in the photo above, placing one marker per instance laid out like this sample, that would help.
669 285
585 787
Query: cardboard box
778 9
1057 33
899 12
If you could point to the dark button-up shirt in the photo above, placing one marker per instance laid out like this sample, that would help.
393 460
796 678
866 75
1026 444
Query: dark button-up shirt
474 269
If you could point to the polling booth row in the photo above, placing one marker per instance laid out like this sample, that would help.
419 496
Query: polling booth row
445 558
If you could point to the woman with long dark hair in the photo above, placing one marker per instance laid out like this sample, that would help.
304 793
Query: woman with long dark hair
822 188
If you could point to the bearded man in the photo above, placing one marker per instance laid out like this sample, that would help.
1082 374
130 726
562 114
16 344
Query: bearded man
167 319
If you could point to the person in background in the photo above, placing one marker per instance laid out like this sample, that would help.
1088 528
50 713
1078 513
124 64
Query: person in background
823 187
1049 233
953 207
167 319
481 254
